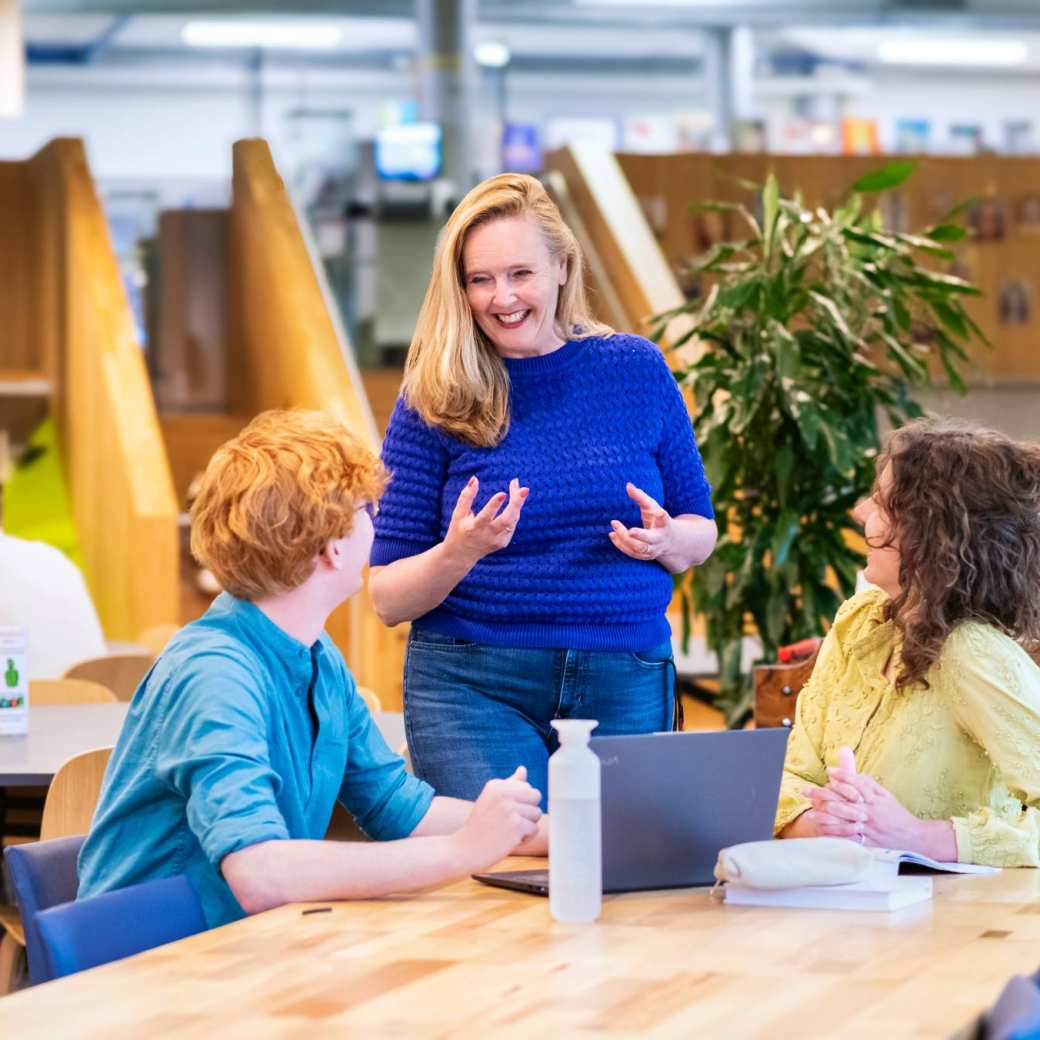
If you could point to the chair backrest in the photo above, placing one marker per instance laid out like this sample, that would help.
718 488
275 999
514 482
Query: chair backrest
104 928
371 698
73 794
776 691
69 691
43 874
121 673
155 638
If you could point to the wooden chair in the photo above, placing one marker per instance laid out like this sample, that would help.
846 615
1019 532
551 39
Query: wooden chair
155 638
371 698
776 690
67 810
21 808
69 691
73 794
121 673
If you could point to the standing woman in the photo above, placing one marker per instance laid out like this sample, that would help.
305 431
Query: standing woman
545 486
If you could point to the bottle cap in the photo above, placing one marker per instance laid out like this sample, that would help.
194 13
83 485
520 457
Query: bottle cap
574 730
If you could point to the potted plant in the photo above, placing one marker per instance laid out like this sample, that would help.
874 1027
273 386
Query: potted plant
814 325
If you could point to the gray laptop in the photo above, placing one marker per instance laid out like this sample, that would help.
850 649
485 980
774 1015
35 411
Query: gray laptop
670 801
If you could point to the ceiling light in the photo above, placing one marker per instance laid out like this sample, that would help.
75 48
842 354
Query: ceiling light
650 3
949 51
295 35
492 55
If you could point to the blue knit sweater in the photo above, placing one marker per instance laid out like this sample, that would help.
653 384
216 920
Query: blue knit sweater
584 420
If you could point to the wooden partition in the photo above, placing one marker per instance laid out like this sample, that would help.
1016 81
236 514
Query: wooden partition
627 264
64 315
1002 256
287 348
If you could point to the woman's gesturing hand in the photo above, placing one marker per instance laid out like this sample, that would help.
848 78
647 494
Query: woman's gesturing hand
474 535
653 539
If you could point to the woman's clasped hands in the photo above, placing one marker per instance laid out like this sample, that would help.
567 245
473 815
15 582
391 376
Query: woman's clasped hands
854 805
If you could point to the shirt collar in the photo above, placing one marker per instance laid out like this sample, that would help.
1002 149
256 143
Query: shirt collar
299 660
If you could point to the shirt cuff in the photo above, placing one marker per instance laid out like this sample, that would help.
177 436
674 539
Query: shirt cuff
412 801
698 505
962 832
390 550
232 835
789 809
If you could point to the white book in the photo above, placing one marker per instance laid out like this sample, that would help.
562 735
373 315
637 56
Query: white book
884 891
900 858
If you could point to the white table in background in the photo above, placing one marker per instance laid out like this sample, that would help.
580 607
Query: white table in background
57 732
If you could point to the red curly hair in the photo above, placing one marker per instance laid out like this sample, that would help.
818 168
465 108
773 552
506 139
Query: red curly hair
273 496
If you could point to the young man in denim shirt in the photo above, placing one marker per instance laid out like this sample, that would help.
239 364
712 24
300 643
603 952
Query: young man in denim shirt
249 727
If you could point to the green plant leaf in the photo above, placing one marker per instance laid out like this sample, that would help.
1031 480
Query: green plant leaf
770 211
926 245
785 532
951 317
812 329
808 420
890 176
783 468
946 233
831 308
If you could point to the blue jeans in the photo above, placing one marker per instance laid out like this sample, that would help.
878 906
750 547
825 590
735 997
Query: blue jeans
474 712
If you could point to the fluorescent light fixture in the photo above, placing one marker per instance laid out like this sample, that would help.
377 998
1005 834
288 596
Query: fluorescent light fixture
12 61
492 54
960 51
293 35
650 3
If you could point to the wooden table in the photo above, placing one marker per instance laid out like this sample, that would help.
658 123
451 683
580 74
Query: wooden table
471 961
57 732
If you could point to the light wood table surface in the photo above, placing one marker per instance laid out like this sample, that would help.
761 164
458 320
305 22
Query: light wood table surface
57 732
471 961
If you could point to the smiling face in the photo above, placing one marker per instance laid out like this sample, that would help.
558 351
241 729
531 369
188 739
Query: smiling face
882 557
512 282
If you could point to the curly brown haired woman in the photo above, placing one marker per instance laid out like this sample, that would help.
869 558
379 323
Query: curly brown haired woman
926 679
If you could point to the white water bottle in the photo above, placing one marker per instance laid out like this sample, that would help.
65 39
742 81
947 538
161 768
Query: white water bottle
575 836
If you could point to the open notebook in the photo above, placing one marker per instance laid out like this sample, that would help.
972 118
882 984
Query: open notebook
886 887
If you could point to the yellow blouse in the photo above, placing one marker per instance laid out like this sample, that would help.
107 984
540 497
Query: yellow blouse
965 748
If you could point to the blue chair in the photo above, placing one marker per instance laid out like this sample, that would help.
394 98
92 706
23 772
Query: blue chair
43 875
1014 1016
117 924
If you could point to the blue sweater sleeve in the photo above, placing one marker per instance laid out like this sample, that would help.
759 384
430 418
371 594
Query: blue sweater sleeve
686 488
408 521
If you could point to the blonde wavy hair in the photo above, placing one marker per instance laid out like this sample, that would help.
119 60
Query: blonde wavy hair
272 497
453 375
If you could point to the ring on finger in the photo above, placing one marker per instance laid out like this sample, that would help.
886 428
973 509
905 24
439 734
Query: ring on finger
647 550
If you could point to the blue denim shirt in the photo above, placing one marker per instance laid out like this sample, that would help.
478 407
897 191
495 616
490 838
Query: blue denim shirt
240 734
